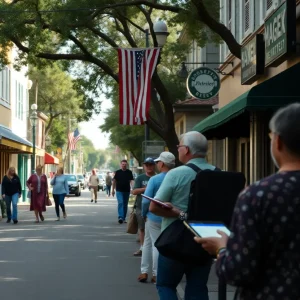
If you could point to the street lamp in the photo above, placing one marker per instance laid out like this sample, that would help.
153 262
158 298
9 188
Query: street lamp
160 29
33 122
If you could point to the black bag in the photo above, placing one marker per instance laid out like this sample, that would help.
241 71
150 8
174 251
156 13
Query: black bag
176 241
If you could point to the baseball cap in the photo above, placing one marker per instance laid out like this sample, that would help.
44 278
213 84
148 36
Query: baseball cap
149 160
166 157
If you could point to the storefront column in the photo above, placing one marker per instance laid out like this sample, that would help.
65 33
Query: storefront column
230 154
257 133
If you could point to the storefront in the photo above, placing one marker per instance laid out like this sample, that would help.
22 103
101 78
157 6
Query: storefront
266 79
15 151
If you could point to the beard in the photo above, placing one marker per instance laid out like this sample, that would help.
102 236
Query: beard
273 157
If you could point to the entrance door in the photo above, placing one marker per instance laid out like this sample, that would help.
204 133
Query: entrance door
22 172
244 158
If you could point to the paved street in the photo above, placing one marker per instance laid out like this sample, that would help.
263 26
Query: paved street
87 256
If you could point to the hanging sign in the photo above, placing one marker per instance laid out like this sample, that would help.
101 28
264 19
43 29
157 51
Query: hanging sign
203 83
280 34
253 59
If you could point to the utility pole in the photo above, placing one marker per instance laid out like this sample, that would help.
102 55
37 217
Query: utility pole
69 149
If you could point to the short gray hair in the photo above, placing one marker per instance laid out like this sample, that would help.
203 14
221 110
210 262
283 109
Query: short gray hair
196 142
286 123
169 166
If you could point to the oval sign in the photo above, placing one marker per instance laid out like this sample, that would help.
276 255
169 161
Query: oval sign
203 83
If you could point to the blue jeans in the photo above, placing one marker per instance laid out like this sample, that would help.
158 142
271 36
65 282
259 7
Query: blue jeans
123 198
108 190
14 201
170 273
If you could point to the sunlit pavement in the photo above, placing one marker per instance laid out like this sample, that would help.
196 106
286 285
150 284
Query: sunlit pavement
86 256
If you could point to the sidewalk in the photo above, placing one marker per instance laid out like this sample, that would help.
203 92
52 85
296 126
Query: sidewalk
212 287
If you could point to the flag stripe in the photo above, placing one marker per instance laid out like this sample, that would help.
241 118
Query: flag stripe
73 138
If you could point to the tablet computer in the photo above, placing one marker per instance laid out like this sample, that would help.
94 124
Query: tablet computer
206 229
164 205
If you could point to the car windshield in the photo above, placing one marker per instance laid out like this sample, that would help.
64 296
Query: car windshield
71 177
80 176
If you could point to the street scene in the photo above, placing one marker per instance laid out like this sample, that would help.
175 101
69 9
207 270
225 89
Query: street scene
150 149
86 255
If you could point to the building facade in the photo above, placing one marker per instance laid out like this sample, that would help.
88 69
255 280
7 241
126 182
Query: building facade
265 79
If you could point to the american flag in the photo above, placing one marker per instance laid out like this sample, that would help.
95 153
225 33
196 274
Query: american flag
73 139
136 67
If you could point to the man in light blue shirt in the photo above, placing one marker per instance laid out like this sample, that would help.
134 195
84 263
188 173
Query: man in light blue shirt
175 190
164 163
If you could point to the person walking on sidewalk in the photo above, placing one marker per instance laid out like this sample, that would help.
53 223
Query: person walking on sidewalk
108 183
139 188
11 192
60 190
122 183
175 189
261 257
164 163
93 185
38 186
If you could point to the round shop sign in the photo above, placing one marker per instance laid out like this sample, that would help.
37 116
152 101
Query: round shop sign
203 83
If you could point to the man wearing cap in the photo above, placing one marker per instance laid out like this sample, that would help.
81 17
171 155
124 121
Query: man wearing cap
164 163
139 188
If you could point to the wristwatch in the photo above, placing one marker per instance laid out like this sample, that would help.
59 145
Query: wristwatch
182 216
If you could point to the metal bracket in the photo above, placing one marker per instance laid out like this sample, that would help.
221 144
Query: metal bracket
184 70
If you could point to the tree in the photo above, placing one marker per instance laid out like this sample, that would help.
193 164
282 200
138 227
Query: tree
90 36
56 95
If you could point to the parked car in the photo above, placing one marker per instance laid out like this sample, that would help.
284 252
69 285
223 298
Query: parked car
101 184
74 185
81 180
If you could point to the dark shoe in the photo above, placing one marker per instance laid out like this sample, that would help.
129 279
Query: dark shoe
8 220
15 221
95 201
92 200
153 279
120 221
143 277
138 253
42 218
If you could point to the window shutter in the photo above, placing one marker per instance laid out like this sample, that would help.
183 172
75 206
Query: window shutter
247 15
229 23
269 4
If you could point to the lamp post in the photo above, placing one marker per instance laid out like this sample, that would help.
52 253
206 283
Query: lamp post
161 32
33 122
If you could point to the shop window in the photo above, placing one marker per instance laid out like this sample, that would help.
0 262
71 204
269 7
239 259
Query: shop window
5 86
19 92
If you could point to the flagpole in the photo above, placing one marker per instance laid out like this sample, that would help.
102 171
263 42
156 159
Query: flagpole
147 130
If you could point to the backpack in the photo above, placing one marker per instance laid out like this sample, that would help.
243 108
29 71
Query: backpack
177 241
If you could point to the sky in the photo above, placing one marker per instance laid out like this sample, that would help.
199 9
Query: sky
91 129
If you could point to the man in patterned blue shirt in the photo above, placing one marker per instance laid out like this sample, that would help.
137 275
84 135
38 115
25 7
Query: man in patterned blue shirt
262 255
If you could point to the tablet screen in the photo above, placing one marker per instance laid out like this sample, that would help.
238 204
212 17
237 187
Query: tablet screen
209 229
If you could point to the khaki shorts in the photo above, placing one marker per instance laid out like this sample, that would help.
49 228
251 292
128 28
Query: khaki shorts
140 219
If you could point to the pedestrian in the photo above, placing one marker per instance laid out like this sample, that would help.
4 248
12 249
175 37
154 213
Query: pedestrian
164 163
11 192
139 188
108 183
93 185
60 191
122 183
261 257
38 187
175 190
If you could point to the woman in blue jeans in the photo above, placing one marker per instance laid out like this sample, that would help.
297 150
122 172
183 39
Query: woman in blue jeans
60 190
11 192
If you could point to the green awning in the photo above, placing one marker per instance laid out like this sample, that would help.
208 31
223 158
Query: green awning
223 115
270 95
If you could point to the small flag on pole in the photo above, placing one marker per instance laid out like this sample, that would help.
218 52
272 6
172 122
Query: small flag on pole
136 67
73 139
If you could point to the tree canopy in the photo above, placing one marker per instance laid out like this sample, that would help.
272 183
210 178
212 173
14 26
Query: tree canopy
84 34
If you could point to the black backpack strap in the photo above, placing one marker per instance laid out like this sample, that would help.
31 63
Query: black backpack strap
194 167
